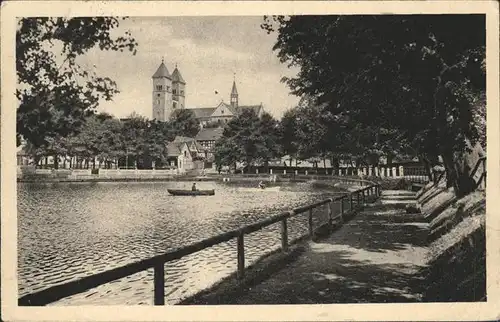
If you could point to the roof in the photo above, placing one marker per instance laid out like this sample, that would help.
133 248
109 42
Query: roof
206 112
162 71
255 108
229 107
181 139
209 134
203 111
173 150
234 91
177 77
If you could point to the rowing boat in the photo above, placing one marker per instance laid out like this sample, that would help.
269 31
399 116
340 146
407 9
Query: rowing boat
177 192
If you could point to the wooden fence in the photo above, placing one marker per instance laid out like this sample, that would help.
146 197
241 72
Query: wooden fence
57 292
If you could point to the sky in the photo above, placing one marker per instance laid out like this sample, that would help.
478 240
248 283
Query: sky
209 52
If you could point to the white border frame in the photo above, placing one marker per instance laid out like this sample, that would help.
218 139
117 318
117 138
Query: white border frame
373 312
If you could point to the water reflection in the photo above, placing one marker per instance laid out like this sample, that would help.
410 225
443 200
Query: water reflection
67 231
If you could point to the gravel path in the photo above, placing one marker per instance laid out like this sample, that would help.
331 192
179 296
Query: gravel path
373 258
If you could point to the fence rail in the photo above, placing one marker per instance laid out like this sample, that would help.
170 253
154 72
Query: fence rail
63 290
479 177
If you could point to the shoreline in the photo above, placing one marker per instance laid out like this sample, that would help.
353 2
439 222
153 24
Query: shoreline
214 177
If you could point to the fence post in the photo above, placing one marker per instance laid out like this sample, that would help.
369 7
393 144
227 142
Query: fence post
350 201
358 197
284 235
364 197
310 222
342 208
483 185
241 256
159 284
330 213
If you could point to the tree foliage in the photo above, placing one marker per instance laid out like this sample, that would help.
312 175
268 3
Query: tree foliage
185 123
55 93
390 83
106 139
248 138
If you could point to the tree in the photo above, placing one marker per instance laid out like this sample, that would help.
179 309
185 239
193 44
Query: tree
133 138
55 93
269 130
227 152
184 123
288 134
399 82
248 138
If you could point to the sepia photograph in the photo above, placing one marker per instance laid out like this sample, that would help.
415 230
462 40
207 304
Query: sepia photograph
247 157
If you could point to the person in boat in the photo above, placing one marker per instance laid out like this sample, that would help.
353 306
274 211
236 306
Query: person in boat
262 185
193 188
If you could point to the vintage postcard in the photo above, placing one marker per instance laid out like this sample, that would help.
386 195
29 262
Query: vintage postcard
244 160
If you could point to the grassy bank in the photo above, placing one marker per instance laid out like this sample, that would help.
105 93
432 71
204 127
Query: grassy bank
456 256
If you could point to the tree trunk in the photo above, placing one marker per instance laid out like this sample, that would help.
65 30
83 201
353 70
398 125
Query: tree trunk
93 163
458 170
427 167
56 162
389 159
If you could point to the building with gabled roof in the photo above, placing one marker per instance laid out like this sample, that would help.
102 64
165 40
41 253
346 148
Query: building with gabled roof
207 138
185 154
223 112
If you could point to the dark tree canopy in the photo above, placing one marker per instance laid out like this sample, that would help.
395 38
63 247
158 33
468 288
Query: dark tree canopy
184 123
248 138
390 82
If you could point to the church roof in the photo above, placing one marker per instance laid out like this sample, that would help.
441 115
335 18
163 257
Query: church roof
255 108
206 112
177 77
230 107
162 71
202 112
209 134
234 91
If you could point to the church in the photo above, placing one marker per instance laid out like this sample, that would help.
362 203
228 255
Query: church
169 94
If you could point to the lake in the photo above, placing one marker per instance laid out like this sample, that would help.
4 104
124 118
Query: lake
70 230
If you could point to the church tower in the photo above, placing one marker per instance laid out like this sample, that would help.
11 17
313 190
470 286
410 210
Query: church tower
234 96
162 93
178 90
